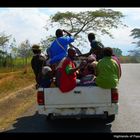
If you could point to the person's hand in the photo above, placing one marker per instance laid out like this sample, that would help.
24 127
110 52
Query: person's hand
64 30
69 34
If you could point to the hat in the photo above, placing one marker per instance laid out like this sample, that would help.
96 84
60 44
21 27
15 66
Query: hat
36 47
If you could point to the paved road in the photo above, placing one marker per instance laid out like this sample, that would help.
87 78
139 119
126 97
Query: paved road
128 119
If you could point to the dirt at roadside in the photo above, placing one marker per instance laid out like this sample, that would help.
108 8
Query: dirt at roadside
15 104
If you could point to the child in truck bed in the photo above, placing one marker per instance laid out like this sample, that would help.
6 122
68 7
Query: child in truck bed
46 77
87 74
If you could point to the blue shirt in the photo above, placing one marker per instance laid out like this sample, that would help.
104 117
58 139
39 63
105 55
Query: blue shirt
57 53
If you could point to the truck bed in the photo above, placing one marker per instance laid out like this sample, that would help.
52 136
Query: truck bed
78 97
82 101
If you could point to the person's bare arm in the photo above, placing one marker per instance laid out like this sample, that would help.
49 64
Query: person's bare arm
68 33
72 70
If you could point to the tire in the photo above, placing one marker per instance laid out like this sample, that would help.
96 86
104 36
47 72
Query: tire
110 118
50 117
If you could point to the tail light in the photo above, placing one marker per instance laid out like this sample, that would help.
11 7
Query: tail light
114 95
40 98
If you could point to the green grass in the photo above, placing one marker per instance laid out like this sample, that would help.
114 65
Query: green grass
15 65
15 103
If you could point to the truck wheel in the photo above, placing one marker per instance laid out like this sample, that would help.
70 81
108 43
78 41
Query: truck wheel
110 118
50 117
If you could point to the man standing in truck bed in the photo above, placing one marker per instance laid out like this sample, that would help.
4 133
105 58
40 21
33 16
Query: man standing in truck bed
59 47
96 47
37 62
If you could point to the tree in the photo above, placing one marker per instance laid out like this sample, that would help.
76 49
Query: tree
117 52
14 52
13 47
2 57
45 43
24 50
80 24
4 39
100 20
135 33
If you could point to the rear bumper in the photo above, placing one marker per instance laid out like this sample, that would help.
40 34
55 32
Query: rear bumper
91 112
80 116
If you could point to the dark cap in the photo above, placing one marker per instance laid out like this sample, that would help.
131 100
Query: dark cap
36 47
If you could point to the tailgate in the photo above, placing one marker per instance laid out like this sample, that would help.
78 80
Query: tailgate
78 97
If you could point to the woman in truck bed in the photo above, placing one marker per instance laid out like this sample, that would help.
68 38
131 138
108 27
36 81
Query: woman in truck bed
108 70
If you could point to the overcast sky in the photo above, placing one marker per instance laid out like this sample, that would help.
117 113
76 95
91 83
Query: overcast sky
28 23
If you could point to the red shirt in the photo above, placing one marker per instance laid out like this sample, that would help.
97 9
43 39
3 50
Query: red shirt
67 81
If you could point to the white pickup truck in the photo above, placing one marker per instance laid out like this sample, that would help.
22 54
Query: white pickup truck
82 101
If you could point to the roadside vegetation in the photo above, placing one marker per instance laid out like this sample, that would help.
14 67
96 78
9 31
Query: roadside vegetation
13 81
129 59
17 93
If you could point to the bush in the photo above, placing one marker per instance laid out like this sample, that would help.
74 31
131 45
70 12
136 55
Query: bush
129 59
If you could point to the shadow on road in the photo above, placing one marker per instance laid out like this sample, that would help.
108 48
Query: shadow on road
38 123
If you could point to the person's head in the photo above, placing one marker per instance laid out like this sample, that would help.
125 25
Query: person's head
59 33
91 36
71 53
47 70
36 49
107 51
